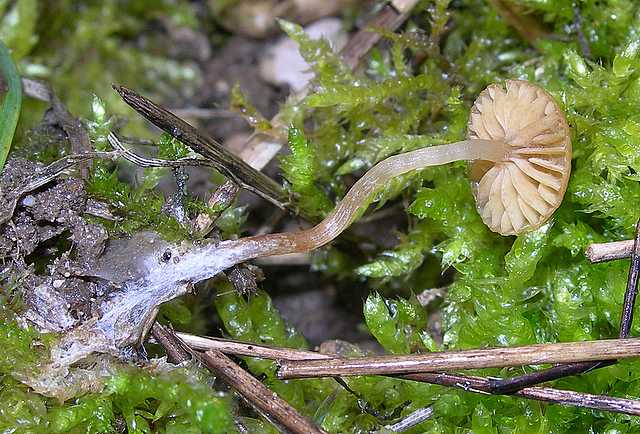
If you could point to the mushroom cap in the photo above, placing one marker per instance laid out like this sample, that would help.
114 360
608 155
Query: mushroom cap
520 192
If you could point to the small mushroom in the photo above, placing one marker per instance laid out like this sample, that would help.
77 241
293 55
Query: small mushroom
520 151
521 190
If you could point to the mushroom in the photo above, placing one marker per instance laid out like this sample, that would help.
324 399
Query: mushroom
520 156
520 151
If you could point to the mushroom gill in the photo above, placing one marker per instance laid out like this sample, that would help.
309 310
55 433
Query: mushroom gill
520 192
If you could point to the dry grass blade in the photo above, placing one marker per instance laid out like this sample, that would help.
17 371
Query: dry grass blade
467 359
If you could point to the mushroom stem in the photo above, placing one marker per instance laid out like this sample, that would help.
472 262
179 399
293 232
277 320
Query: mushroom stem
349 207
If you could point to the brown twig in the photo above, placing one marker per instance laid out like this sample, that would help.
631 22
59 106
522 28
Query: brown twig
508 385
466 359
248 349
390 17
220 200
603 252
166 338
223 160
258 394
467 383
547 394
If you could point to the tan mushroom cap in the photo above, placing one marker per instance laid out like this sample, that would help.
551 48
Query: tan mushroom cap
521 192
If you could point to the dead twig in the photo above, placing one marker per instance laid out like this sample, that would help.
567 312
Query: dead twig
546 394
412 419
508 385
258 394
223 160
176 353
464 382
603 252
248 349
179 352
220 200
466 359
141 161
390 17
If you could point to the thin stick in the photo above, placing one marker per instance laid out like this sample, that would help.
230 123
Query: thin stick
508 385
223 160
172 346
177 349
413 419
390 17
547 394
467 359
602 252
258 394
467 383
141 161
631 292
248 349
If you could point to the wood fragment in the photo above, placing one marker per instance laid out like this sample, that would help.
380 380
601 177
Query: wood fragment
466 359
226 162
248 349
603 252
390 17
464 382
175 352
258 394
545 394
220 200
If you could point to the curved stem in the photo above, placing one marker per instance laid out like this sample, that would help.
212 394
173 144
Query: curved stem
359 195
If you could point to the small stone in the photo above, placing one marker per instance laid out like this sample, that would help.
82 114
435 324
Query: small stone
57 284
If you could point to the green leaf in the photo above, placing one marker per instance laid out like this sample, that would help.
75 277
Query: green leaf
10 101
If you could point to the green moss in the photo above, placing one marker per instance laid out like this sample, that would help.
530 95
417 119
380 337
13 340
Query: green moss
300 169
412 92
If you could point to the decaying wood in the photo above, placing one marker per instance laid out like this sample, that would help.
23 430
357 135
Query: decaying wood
258 394
466 359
